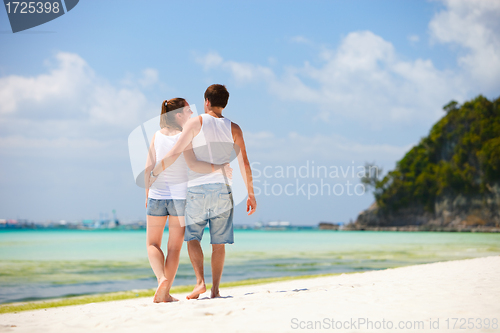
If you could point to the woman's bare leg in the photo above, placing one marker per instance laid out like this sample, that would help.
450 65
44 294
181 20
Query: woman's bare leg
154 234
175 240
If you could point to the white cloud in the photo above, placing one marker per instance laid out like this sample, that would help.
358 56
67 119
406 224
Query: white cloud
65 81
267 147
475 26
72 90
414 38
149 77
363 80
19 145
119 107
300 40
243 72
367 81
71 110
210 60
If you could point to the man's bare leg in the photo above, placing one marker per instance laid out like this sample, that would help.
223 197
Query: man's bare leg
196 256
218 257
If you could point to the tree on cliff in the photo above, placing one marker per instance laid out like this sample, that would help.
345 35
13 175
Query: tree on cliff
461 155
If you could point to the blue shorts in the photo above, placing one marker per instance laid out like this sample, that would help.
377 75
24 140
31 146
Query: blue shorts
164 207
212 204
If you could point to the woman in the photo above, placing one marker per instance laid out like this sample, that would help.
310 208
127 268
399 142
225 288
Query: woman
166 198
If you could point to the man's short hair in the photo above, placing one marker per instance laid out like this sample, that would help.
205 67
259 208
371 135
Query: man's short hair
217 95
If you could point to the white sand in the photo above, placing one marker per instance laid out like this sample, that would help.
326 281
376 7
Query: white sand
454 289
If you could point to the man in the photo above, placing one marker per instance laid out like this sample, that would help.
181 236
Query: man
212 138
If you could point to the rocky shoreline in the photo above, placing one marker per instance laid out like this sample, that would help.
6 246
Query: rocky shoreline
421 228
480 213
449 181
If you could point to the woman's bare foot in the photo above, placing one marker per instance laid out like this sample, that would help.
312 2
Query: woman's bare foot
198 289
170 298
161 291
215 293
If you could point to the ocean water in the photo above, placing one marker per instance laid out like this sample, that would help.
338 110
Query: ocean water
40 264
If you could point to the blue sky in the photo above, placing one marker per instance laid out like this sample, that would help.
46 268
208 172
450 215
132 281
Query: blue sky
337 83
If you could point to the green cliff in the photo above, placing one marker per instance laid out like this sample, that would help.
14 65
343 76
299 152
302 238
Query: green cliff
450 180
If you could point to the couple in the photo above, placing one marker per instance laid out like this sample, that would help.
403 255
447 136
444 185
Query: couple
188 181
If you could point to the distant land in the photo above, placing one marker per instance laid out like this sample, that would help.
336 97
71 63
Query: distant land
114 223
450 181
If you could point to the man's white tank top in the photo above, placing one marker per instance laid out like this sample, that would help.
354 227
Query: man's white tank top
214 144
172 182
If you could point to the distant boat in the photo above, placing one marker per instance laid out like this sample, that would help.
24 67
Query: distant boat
277 225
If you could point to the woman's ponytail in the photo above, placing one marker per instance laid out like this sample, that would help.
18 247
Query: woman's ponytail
169 108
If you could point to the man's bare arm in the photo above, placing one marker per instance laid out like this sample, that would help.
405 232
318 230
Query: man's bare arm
191 129
246 171
204 167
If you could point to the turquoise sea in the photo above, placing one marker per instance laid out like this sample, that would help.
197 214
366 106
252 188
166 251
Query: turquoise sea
39 264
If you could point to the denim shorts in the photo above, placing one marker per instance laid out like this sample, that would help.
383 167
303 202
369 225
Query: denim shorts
212 204
164 207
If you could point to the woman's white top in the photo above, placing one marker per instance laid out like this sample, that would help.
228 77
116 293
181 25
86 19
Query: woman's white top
214 144
172 182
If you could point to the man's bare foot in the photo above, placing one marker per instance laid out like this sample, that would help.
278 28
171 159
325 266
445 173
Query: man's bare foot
170 298
161 291
215 293
198 289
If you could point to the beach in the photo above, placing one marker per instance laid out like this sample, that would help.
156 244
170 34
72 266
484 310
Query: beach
44 264
424 298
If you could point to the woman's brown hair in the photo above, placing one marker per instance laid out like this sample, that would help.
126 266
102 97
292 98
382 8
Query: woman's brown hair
169 108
